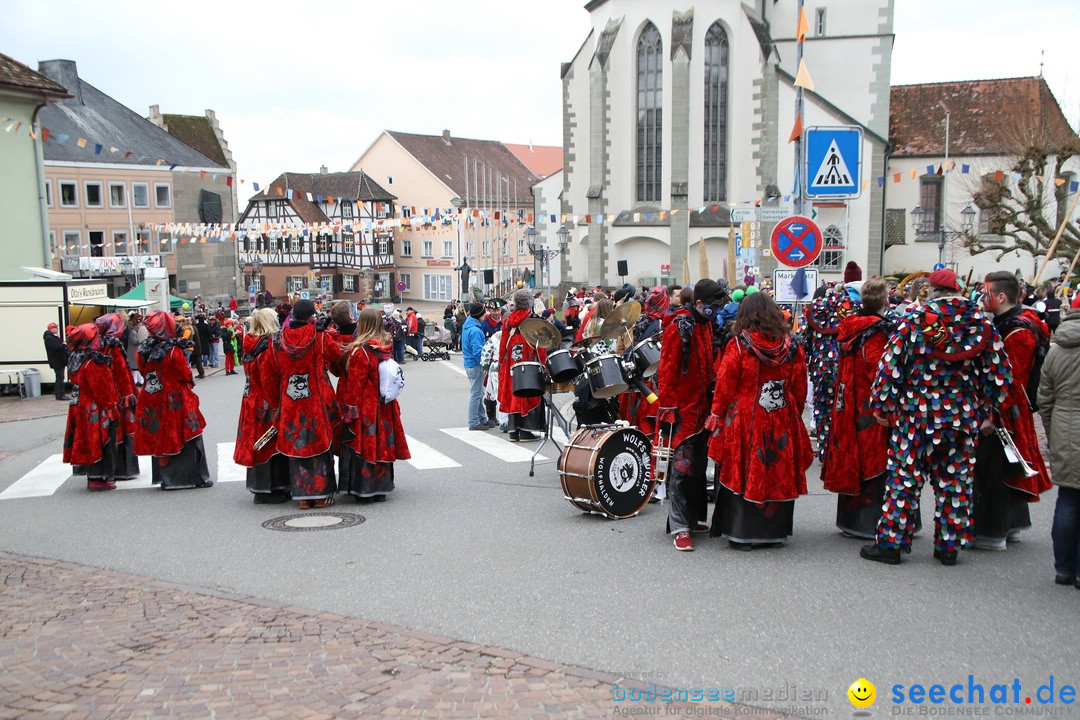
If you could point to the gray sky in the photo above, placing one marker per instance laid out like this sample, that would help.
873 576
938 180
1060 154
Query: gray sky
298 85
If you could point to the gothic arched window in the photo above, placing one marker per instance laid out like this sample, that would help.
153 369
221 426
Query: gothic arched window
716 111
650 76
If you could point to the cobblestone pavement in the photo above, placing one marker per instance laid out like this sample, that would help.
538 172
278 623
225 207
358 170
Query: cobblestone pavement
80 642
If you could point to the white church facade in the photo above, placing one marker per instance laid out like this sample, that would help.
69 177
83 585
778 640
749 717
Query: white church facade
674 114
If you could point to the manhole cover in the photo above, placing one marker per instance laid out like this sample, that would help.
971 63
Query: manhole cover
312 521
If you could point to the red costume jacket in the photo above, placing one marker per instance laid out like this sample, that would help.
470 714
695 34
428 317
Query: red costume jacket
377 432
764 449
688 362
301 356
94 412
858 445
260 406
125 385
512 350
1022 330
167 410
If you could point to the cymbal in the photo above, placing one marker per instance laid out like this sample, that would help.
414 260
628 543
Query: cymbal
620 318
586 341
540 333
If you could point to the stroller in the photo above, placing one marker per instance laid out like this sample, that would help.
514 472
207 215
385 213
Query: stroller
436 343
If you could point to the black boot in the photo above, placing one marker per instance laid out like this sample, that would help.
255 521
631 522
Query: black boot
880 554
947 557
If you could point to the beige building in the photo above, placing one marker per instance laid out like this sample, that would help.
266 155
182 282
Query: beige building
460 201
111 179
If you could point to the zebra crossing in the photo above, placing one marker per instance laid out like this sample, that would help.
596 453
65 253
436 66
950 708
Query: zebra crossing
51 474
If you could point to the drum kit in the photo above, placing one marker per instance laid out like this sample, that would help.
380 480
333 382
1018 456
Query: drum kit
604 469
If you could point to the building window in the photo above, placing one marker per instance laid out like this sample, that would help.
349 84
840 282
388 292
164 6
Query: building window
346 210
716 105
97 243
117 196
72 241
165 243
48 193
348 283
52 244
142 242
294 283
349 241
930 201
487 248
271 209
93 195
162 196
382 246
468 248
140 195
426 249
819 22
521 246
389 179
650 86
438 287
120 242
447 248
69 194
407 279
832 252
505 242
406 248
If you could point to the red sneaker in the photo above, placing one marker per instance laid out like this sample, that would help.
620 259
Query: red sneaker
700 528
683 542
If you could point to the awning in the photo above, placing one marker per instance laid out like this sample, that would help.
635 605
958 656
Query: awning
139 293
115 302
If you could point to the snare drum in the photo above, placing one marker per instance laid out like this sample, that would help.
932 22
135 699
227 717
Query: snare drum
528 379
563 366
605 376
646 357
606 470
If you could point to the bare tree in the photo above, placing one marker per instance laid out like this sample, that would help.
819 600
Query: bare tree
1025 206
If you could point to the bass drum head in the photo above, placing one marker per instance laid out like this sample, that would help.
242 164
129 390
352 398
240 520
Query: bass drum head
607 471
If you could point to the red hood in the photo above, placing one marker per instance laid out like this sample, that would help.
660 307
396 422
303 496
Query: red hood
768 351
852 325
517 317
295 341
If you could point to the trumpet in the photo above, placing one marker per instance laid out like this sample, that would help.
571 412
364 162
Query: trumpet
662 452
1012 453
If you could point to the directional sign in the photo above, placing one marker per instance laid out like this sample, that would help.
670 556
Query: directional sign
741 215
773 214
939 266
796 241
833 162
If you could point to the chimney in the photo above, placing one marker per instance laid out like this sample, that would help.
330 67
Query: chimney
65 73
155 116
323 170
446 136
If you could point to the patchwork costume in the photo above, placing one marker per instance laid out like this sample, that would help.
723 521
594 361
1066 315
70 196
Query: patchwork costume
823 318
942 372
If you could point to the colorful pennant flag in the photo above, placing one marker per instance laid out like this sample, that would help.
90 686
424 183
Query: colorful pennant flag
803 78
796 130
804 25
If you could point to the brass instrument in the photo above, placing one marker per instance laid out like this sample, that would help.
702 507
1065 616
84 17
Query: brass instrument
267 436
1012 453
662 452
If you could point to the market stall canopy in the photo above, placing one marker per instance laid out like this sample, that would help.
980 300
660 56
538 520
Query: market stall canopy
139 293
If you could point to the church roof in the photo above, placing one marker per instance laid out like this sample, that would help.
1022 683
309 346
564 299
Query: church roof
986 117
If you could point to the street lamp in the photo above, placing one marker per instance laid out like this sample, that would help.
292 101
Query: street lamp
921 218
543 253
126 267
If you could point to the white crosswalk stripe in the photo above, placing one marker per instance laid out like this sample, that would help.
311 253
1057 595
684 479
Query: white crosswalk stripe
494 446
52 473
425 457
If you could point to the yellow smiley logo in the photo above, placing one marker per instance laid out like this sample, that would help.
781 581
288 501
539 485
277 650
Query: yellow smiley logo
862 693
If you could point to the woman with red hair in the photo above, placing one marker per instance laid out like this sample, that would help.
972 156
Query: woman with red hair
90 440
169 425
114 331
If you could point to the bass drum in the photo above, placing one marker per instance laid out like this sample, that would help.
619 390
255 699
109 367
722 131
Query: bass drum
606 470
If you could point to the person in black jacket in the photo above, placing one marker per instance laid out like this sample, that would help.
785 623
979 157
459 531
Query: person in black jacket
57 353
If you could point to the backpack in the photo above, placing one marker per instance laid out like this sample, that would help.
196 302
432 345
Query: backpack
1024 321
391 380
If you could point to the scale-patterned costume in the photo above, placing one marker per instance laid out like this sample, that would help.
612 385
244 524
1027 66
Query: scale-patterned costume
823 318
943 370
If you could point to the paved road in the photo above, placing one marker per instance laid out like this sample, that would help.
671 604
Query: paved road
485 554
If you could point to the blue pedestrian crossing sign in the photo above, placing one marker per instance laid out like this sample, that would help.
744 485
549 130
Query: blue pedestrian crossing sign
833 162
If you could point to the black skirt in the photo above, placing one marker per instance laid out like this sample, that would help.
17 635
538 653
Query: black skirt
183 471
739 520
997 509
270 478
127 462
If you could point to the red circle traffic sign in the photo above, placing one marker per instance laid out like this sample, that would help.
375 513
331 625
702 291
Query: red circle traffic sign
796 241
401 286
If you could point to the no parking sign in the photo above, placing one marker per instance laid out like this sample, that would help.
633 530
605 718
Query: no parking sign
796 241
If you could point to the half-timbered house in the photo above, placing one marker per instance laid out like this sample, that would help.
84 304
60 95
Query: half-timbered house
318 233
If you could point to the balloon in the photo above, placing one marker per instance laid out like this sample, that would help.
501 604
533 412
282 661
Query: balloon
751 290
186 306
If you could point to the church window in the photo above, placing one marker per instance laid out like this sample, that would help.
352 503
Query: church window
716 106
650 76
